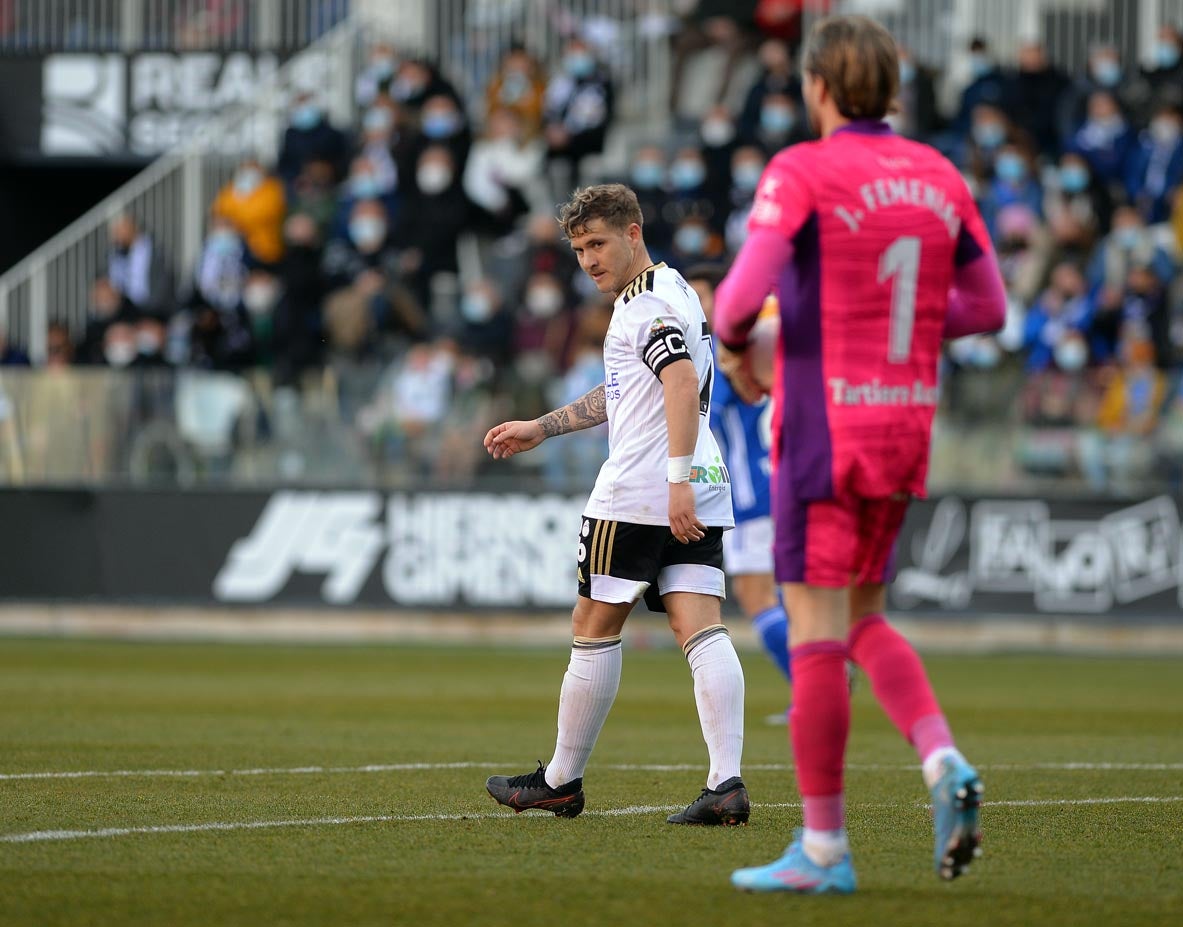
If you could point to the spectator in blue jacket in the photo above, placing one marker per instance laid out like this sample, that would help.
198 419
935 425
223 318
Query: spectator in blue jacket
1156 167
310 137
1105 139
1013 183
1059 318
988 85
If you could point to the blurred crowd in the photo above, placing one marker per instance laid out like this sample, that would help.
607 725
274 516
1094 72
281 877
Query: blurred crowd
417 251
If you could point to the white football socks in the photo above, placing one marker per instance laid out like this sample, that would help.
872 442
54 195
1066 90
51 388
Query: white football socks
931 767
589 689
718 692
825 847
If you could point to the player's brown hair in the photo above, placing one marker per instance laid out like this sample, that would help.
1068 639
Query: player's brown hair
612 203
858 60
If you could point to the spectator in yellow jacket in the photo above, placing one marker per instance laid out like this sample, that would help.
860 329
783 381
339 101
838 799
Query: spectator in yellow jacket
520 85
254 204
1121 453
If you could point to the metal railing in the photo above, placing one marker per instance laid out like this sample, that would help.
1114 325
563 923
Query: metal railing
136 427
630 37
938 31
132 25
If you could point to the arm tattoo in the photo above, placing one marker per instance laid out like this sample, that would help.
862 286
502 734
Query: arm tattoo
587 411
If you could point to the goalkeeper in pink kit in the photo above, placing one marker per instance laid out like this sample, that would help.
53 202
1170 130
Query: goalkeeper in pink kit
877 253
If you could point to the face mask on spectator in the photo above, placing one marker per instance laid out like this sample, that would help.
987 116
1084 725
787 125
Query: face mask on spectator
648 175
746 176
476 308
1074 178
691 239
367 231
1107 126
441 124
717 132
989 135
980 65
514 86
365 187
382 67
1127 237
777 120
433 178
306 116
579 64
985 354
544 302
1164 130
1011 168
1166 54
1071 355
119 353
907 72
377 119
1107 72
247 180
259 297
148 342
405 88
686 174
222 241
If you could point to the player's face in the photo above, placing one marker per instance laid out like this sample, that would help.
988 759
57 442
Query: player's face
606 254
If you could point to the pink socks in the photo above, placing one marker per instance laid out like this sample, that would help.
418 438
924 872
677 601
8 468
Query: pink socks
819 722
900 684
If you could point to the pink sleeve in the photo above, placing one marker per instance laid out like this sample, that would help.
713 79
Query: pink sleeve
784 203
977 297
752 277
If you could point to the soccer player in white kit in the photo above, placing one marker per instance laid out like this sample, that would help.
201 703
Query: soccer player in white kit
653 527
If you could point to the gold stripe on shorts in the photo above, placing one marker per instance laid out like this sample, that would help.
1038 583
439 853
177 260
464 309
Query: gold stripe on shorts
611 540
595 541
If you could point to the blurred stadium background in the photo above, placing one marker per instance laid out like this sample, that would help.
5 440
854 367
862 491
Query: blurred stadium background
272 268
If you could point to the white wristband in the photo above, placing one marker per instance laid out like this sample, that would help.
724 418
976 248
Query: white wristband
679 469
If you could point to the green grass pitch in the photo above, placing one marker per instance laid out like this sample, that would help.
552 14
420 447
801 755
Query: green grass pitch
427 846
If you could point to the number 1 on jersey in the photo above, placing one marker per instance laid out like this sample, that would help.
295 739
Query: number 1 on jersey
901 260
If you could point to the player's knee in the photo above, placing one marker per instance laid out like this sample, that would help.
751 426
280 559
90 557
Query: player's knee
690 612
592 619
867 600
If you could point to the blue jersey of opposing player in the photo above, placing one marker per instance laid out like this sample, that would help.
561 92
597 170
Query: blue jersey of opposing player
744 434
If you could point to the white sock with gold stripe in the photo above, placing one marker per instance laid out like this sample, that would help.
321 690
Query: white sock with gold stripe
589 689
718 692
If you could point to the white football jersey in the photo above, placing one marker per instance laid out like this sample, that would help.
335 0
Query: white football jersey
656 320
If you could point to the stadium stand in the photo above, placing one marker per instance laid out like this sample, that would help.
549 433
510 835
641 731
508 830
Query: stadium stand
367 249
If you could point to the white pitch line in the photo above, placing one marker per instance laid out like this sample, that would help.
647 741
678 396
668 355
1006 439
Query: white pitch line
261 771
620 767
44 836
1050 802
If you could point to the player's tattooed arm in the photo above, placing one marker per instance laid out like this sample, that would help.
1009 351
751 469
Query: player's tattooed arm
587 411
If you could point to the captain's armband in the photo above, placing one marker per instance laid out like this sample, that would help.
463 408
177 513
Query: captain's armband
666 344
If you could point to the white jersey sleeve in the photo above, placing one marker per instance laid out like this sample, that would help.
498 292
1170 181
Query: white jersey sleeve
656 321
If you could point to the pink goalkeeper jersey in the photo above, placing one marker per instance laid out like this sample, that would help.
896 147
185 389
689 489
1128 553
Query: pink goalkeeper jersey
878 225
